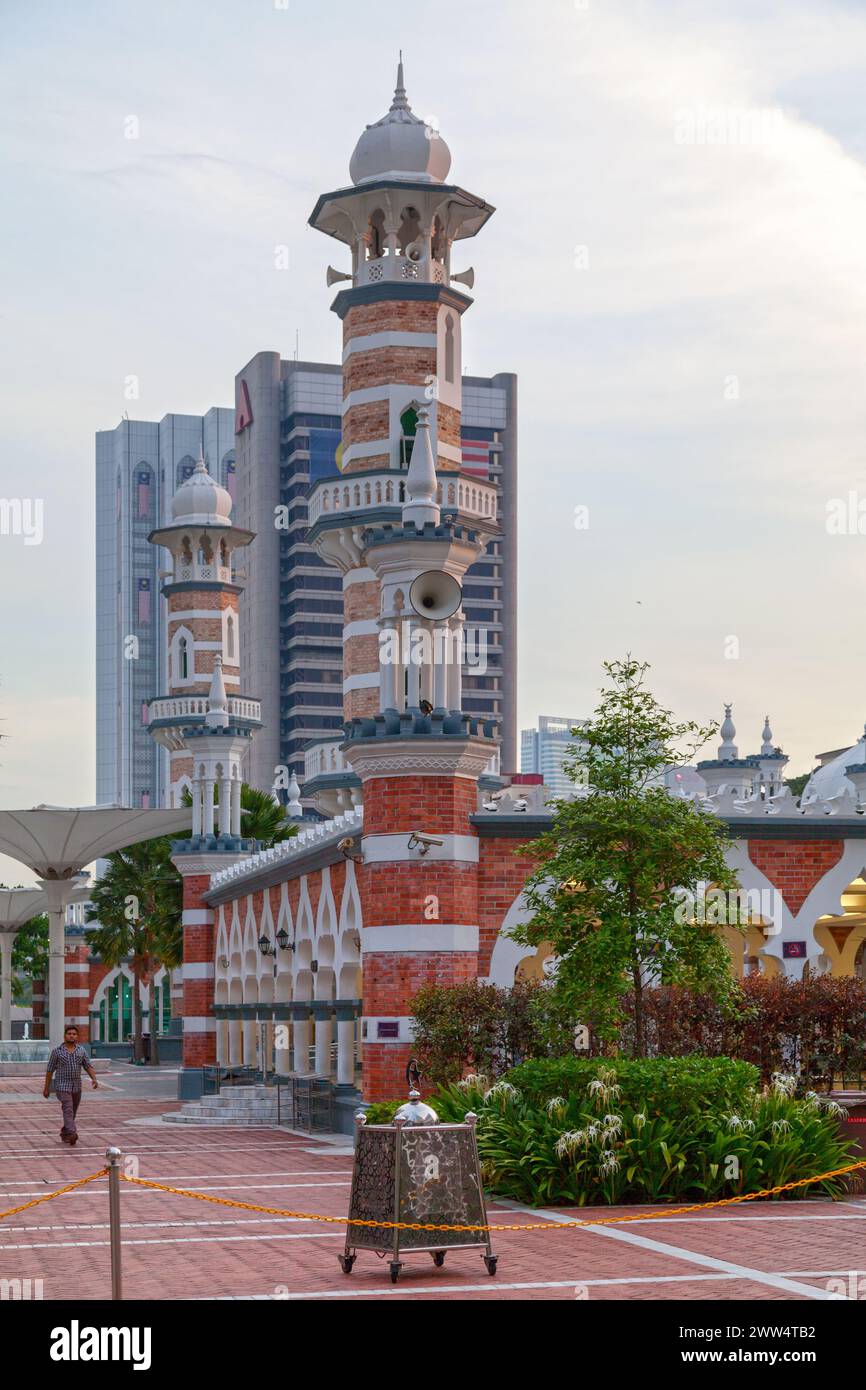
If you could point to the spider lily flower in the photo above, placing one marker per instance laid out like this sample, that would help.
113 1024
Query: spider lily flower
613 1123
472 1080
555 1104
832 1107
568 1143
608 1163
502 1088
783 1084
639 1120
780 1126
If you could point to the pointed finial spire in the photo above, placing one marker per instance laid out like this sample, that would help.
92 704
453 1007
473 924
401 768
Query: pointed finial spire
217 716
767 737
400 102
727 748
421 505
200 465
294 809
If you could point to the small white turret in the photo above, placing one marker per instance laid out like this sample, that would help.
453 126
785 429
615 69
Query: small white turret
421 505
767 737
217 716
727 748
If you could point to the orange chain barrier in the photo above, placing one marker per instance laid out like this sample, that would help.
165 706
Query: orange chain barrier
49 1196
532 1226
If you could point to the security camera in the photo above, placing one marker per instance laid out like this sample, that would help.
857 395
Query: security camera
423 843
348 848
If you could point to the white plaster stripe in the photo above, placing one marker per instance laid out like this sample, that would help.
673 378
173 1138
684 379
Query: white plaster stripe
373 395
419 936
493 1286
197 917
452 452
193 613
193 1024
756 1276
371 448
362 575
383 849
365 681
369 342
198 970
174 1240
76 993
366 627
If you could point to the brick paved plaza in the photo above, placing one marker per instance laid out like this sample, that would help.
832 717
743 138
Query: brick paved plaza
175 1248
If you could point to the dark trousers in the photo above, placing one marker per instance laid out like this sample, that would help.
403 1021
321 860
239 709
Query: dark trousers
69 1102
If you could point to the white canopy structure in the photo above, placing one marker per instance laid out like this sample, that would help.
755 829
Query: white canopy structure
56 842
17 906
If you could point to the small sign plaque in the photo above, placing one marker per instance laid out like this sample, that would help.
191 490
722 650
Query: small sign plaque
794 950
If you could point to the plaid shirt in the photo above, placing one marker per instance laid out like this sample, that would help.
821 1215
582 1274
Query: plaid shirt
68 1067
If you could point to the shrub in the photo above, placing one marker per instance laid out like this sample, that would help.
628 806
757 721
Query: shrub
594 1146
475 1027
670 1086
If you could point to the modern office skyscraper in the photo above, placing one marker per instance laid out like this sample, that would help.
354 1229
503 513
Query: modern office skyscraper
543 751
139 466
288 422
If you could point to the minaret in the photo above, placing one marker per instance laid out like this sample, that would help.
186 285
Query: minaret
771 763
401 322
403 524
203 621
206 724
728 770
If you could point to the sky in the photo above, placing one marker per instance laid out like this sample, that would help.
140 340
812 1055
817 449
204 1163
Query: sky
676 271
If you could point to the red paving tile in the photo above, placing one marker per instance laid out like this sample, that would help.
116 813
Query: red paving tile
178 1248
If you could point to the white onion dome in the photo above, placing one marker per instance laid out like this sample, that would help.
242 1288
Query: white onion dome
400 146
200 501
831 780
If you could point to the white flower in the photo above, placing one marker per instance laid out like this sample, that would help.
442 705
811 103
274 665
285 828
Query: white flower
502 1088
567 1143
783 1084
555 1104
639 1120
733 1122
608 1163
613 1123
832 1107
472 1080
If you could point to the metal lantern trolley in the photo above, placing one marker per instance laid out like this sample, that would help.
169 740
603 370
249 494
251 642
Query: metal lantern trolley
416 1170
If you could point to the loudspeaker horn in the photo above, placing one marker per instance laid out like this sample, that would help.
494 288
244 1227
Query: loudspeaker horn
435 594
466 277
334 276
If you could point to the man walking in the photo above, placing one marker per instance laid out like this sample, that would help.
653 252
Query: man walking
67 1061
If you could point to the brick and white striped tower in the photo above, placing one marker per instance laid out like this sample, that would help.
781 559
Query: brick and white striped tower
203 619
404 525
401 352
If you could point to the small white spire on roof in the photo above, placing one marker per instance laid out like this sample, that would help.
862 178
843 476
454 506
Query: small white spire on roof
421 504
767 736
294 809
401 101
727 748
217 716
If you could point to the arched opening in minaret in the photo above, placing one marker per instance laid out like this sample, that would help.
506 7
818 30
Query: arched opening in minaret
205 550
230 638
409 230
439 244
185 551
377 238
408 428
449 348
224 555
183 659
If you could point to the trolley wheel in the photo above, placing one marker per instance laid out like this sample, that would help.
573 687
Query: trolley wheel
395 1267
438 1258
491 1262
346 1262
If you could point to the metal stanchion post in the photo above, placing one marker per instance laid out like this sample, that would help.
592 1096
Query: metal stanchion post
113 1157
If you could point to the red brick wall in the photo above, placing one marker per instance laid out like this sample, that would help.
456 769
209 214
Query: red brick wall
502 874
439 805
794 867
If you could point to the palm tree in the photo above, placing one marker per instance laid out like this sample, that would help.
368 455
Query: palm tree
137 905
262 818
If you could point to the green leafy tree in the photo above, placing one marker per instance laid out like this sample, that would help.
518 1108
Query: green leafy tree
137 905
29 957
797 783
623 872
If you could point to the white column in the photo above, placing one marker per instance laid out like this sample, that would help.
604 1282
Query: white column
346 1052
301 1046
208 806
324 1028
441 653
235 1042
250 1031
56 891
236 807
413 695
222 1042
455 674
282 1055
7 941
426 681
225 806
196 807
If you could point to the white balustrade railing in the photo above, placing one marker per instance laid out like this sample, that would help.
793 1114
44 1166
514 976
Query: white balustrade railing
195 707
469 496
